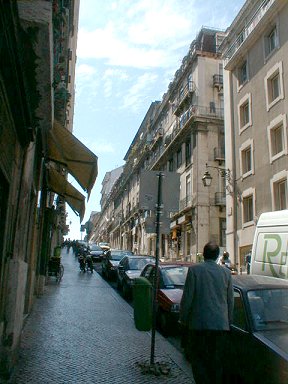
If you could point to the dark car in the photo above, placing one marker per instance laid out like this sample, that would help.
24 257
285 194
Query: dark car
171 279
111 261
128 269
96 252
259 333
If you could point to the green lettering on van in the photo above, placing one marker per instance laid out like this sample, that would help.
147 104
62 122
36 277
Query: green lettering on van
283 261
268 256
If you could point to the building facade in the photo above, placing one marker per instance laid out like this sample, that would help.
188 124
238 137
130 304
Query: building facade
182 133
38 151
255 82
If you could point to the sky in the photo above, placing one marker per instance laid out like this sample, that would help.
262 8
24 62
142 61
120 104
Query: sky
127 54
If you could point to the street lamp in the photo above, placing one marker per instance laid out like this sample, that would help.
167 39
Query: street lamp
225 173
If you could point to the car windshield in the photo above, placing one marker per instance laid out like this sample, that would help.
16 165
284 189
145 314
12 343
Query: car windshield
174 276
139 263
94 247
118 255
269 308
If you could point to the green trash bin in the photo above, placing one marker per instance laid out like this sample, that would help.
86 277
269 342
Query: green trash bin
57 251
142 296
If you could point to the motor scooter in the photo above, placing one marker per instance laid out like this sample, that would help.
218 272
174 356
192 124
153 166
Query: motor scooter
82 263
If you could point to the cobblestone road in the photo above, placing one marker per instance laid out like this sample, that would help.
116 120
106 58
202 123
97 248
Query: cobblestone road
82 331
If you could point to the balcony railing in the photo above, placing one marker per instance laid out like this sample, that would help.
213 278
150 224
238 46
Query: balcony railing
218 81
185 93
187 202
220 198
197 110
258 15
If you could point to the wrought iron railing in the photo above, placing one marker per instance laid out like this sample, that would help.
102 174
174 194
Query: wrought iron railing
258 15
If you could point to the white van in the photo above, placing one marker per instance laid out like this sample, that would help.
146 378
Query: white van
270 245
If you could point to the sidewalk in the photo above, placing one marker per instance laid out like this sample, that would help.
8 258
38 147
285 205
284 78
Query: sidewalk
82 331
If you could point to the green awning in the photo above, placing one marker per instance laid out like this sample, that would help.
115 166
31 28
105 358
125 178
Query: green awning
66 149
58 184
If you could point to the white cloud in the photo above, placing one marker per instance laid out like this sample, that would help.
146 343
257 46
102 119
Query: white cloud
135 96
139 34
98 147
85 70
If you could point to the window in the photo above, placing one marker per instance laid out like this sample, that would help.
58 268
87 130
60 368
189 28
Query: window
188 152
248 208
244 112
179 157
243 73
188 186
277 138
171 165
239 318
248 203
273 84
271 41
279 191
223 233
246 158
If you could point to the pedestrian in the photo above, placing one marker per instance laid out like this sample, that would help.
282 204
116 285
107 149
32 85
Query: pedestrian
206 311
248 262
225 260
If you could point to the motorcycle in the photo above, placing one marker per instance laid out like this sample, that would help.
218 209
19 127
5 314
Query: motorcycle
82 263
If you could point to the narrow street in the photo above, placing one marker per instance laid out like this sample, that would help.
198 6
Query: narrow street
82 331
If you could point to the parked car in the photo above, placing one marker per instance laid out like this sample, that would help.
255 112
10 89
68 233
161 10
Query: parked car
96 252
111 261
259 333
172 278
104 246
128 269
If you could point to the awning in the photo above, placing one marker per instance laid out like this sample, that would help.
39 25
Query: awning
66 149
58 184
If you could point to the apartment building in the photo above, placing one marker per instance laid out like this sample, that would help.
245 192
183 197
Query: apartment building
183 133
256 87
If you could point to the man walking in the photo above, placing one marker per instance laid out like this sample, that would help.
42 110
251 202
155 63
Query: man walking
206 313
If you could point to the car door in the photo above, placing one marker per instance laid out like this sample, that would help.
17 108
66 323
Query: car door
247 356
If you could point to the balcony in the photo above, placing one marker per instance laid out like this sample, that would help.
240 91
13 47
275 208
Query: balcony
220 198
200 111
218 82
187 203
157 136
185 95
181 128
245 33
